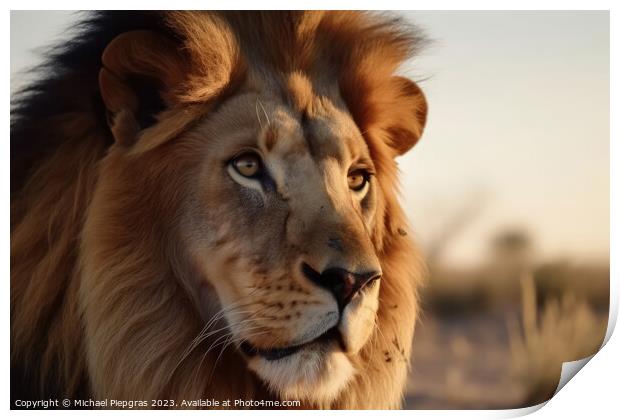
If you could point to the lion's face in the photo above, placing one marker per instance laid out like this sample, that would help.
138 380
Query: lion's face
265 187
278 226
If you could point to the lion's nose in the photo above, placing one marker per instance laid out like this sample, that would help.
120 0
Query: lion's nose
342 283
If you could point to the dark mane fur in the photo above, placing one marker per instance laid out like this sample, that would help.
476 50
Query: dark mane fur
65 86
72 65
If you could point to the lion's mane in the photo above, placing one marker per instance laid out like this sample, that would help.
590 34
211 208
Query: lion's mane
59 136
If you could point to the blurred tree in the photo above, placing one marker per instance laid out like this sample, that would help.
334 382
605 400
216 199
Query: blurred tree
455 221
513 247
511 256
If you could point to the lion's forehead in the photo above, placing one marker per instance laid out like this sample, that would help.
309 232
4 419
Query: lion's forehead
303 143
306 156
307 152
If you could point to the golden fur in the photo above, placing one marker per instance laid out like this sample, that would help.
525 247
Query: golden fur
119 252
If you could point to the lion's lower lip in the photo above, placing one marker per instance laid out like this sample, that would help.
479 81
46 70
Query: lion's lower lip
282 352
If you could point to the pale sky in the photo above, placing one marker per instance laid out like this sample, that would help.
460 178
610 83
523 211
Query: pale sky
518 128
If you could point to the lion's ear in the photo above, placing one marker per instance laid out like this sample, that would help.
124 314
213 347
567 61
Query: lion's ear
141 70
407 115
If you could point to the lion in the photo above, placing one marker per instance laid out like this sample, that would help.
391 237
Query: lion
205 205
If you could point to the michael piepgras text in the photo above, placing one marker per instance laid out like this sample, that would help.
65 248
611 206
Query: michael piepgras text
120 404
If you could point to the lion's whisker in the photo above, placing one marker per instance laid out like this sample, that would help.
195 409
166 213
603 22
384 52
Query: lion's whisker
264 112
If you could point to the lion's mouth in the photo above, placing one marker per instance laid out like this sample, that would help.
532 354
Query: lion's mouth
278 353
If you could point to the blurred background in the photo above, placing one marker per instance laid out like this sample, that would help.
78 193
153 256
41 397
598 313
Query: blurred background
507 194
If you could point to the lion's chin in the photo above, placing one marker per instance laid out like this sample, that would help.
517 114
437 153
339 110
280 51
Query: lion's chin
316 374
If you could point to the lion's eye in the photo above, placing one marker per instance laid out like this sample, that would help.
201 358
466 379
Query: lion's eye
357 180
248 164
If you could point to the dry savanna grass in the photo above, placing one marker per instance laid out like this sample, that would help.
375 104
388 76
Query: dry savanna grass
565 329
491 338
